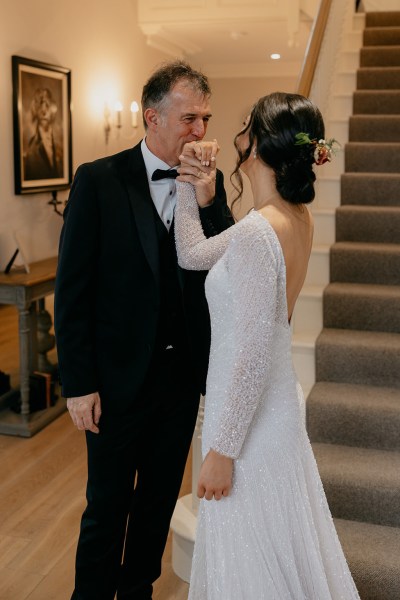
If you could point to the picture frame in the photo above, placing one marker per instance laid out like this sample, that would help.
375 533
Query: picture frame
42 126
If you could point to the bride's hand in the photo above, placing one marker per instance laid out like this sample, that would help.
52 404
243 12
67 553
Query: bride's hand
205 152
198 167
215 478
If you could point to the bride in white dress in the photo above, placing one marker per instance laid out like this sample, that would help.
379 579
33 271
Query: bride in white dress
265 531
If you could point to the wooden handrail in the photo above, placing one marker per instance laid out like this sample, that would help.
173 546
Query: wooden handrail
313 49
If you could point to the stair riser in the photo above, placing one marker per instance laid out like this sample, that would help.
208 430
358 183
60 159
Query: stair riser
339 130
371 504
372 158
353 40
357 364
374 227
364 267
336 167
308 315
324 227
368 190
342 106
361 313
327 193
377 79
318 268
345 82
349 61
385 103
304 364
379 57
358 22
374 130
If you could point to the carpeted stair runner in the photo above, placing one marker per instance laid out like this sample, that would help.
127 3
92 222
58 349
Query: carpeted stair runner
353 410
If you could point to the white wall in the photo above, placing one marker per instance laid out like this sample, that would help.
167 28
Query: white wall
101 43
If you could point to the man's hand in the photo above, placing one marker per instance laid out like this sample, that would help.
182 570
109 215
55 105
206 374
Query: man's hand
215 478
198 164
85 411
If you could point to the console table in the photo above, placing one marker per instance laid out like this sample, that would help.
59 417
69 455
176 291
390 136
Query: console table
24 290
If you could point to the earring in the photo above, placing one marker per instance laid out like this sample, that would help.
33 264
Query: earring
254 152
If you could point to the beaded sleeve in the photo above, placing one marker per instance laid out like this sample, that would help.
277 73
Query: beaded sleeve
253 262
195 251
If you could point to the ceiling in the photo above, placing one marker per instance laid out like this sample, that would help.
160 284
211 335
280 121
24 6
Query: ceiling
231 38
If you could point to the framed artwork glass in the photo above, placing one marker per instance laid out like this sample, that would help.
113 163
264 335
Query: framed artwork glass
42 126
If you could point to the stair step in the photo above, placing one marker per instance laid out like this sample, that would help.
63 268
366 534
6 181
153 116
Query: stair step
368 224
376 102
382 19
365 157
381 36
381 78
358 357
380 56
361 484
358 262
374 128
372 553
372 189
363 307
354 415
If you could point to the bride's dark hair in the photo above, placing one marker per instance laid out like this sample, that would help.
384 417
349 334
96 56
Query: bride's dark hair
273 124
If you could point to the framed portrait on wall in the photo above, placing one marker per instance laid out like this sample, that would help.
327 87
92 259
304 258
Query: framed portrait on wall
42 126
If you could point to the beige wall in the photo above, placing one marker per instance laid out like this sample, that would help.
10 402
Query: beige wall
232 100
101 43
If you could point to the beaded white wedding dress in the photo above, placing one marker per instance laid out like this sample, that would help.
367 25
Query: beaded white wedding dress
273 538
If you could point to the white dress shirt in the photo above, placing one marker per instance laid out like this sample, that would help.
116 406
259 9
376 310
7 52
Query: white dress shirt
163 192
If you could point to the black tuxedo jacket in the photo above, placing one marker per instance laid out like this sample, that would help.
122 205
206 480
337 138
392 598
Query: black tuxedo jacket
107 296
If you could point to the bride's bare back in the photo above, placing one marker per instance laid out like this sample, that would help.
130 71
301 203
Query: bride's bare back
294 226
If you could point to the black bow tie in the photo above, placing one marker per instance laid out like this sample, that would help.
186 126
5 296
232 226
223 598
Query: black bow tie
164 174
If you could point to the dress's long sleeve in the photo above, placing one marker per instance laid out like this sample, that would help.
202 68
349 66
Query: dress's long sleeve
195 251
253 263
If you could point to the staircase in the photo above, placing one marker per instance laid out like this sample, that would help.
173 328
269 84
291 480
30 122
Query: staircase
353 410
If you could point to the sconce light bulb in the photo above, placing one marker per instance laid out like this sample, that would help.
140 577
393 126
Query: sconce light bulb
134 113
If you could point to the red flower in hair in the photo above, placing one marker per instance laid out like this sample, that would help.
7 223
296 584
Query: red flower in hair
323 148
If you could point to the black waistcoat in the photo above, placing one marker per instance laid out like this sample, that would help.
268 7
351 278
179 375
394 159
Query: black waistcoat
171 329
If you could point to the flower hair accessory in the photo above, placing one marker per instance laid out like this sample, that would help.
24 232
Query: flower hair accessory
323 148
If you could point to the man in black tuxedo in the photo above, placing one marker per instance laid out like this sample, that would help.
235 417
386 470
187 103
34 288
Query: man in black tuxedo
133 336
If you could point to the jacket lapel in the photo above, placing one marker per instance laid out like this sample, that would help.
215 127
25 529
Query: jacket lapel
142 208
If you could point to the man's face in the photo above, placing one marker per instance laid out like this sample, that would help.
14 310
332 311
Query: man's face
184 118
45 110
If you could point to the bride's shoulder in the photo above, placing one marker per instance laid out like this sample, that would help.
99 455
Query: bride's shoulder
253 232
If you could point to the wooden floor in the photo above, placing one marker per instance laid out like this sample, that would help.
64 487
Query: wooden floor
42 485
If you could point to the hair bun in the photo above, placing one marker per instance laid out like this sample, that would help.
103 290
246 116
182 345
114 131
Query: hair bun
295 181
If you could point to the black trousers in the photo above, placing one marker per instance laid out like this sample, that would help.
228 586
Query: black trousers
135 469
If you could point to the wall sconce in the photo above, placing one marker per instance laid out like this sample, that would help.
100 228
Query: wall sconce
118 110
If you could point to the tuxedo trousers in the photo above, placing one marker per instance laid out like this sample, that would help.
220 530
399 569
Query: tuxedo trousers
135 469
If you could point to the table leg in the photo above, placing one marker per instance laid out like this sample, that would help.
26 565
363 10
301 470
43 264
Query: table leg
27 352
